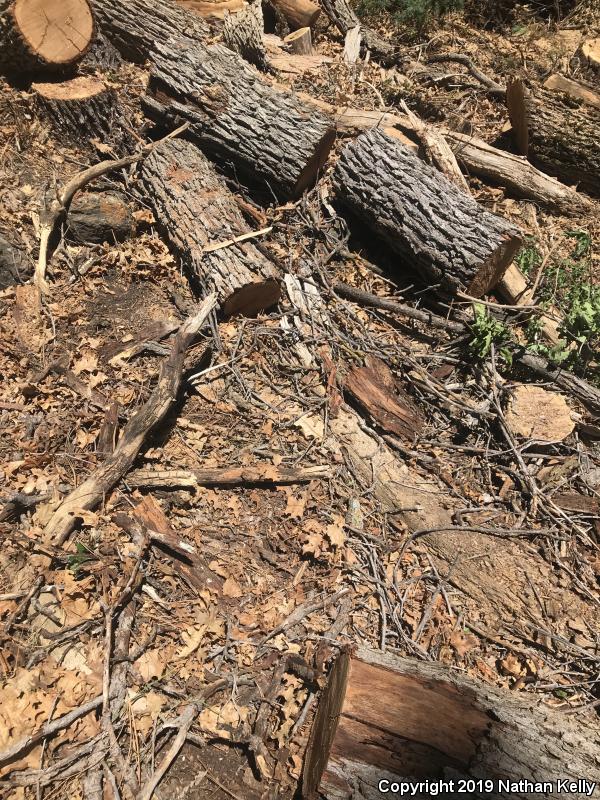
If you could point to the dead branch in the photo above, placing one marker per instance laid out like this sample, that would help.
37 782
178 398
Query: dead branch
226 476
54 211
185 723
92 491
493 88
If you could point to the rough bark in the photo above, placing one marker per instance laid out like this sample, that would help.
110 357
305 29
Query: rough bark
195 210
81 108
234 116
243 32
555 136
435 228
14 265
43 35
382 717
298 13
97 217
300 42
343 16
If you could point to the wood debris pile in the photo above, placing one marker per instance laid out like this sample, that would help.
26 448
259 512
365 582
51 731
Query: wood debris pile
264 446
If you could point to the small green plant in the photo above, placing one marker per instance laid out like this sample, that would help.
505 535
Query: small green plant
416 14
81 555
487 331
529 258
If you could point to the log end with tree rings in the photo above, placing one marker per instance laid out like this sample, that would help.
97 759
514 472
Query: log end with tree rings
437 230
300 42
249 300
44 34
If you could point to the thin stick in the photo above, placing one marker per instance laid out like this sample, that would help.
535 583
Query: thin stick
186 720
241 238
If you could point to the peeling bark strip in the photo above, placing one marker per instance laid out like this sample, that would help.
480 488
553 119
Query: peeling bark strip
395 719
555 136
195 210
43 35
235 117
436 229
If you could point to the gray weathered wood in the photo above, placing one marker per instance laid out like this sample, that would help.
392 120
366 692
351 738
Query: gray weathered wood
435 228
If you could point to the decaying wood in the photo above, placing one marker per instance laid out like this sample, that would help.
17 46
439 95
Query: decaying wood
343 16
95 488
298 13
196 211
98 217
243 33
14 265
226 476
55 209
386 718
560 83
435 228
300 42
555 136
43 37
83 106
234 117
375 388
536 414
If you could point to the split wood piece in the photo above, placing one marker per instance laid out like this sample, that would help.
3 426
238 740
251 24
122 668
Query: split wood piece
515 289
43 35
476 157
217 9
352 44
298 13
555 136
343 16
438 230
226 476
96 217
83 106
376 390
55 208
93 490
559 83
300 42
235 117
386 718
243 33
195 209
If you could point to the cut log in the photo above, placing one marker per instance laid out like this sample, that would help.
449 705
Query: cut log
590 51
234 116
43 35
343 16
384 720
96 217
555 136
81 107
243 33
559 83
374 388
298 13
435 228
195 209
300 42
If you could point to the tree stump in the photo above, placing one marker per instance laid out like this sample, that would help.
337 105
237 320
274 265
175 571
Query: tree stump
81 108
197 213
436 229
43 35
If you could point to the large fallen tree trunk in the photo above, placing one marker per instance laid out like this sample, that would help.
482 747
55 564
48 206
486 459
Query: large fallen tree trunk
433 226
197 213
235 117
40 36
384 721
555 136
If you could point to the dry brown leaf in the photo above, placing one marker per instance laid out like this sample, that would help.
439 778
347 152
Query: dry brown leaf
231 588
